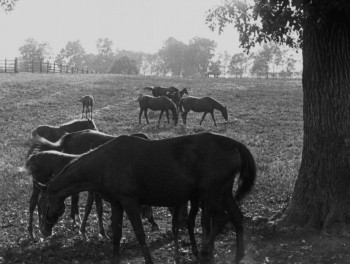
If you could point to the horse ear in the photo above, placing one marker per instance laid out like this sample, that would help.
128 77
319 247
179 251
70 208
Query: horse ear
39 185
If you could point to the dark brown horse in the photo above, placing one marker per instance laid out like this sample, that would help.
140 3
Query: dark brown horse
167 172
162 104
176 96
203 104
72 143
161 91
54 133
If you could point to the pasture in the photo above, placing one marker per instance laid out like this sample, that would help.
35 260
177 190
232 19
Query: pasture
265 115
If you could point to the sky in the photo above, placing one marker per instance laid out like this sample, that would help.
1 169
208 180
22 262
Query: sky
137 25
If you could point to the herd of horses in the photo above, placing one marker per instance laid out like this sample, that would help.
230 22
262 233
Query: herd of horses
171 99
134 173
165 100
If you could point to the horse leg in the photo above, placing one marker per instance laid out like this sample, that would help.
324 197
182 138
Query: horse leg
160 116
167 115
87 211
205 113
212 116
99 210
236 217
132 209
206 227
184 117
140 114
74 209
150 218
146 115
183 215
217 221
117 225
191 224
32 205
175 229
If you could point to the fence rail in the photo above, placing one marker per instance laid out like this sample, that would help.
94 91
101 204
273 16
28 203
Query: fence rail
39 66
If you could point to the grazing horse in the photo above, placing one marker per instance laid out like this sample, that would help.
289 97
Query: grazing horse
161 103
167 172
176 96
54 133
72 143
161 91
88 102
203 104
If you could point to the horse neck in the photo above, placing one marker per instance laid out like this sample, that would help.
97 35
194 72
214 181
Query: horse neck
60 163
217 105
74 179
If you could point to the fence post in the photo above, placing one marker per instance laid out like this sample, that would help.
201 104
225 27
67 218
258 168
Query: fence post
41 65
16 66
61 68
54 67
47 67
5 65
32 65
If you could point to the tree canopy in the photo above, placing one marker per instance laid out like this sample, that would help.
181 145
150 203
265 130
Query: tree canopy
280 21
8 5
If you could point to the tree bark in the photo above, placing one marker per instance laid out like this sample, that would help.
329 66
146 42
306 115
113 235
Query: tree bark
321 197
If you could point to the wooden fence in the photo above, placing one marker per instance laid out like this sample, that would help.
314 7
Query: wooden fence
39 66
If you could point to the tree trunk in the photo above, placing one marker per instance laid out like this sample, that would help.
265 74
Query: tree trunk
321 197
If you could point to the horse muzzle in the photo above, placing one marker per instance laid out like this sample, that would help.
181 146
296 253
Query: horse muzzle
46 230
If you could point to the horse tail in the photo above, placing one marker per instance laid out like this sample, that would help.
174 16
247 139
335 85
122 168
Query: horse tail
248 172
148 88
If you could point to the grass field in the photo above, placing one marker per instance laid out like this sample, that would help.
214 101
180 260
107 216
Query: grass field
264 115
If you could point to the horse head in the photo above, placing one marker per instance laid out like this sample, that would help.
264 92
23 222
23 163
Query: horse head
184 91
51 208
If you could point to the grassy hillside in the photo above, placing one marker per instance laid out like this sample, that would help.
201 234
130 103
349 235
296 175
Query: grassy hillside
264 115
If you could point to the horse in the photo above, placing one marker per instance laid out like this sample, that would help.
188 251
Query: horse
200 168
73 143
176 96
161 103
203 104
161 91
88 102
54 133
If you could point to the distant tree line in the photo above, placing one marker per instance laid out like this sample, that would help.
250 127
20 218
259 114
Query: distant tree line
175 58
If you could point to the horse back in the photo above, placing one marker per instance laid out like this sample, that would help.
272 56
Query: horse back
163 172
196 104
83 141
78 125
